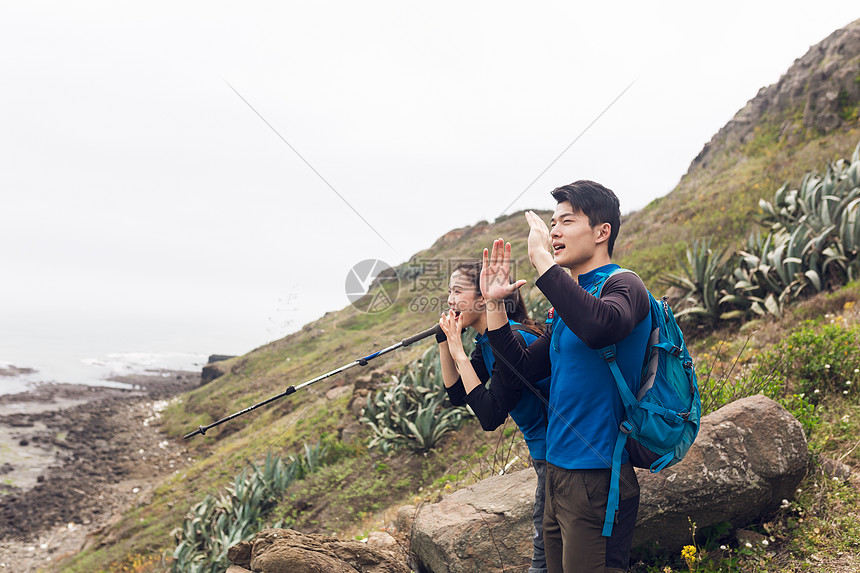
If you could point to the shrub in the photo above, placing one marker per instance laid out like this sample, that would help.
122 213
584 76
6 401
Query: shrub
816 359
812 361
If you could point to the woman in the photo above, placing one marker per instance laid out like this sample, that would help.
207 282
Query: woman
465 376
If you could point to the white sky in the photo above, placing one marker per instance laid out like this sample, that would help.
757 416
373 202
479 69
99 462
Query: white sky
144 204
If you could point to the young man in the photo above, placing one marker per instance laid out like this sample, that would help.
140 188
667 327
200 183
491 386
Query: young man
585 409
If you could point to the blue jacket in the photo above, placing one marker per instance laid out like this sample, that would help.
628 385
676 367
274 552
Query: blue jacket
585 409
492 404
530 411
583 393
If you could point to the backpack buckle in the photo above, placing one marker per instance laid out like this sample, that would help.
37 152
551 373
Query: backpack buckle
609 354
626 427
676 351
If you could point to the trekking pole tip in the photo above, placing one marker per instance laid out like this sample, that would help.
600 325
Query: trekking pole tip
200 430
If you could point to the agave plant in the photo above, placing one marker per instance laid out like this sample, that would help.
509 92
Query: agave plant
705 297
825 209
411 412
812 243
849 235
313 457
215 524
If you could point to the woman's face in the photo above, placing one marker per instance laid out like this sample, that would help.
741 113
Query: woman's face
463 299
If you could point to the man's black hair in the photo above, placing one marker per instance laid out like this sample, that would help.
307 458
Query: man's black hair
596 202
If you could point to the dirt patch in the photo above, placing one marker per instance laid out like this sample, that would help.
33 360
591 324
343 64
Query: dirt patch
75 457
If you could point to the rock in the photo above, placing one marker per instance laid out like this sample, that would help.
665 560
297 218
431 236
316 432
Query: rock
215 368
817 93
405 518
212 371
381 539
745 536
835 469
484 527
288 551
748 457
364 384
240 554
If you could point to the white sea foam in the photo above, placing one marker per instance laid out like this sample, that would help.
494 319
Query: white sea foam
120 363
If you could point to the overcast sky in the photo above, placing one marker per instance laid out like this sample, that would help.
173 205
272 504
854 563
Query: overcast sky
146 205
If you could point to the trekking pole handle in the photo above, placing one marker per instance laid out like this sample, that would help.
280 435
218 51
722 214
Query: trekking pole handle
421 335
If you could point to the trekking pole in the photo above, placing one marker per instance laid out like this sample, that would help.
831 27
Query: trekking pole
358 362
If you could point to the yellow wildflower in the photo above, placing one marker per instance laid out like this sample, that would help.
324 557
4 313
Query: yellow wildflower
689 555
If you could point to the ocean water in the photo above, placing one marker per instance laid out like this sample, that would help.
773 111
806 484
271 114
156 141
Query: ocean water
90 350
95 369
86 343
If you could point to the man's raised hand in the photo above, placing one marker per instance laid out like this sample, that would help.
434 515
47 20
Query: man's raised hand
540 245
495 272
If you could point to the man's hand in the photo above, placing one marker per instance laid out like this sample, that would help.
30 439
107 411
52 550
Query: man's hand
540 246
495 273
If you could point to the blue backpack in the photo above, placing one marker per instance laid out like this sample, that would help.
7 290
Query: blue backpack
662 419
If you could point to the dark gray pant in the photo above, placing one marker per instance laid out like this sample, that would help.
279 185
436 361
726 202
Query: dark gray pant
573 520
538 556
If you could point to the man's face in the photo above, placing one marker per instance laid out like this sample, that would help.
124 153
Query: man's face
573 239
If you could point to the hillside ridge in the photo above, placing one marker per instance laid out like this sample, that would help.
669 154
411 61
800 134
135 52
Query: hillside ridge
815 93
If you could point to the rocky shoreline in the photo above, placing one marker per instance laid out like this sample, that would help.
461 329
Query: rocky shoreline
74 457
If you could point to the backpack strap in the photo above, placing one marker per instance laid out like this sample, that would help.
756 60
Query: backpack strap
599 290
615 478
630 403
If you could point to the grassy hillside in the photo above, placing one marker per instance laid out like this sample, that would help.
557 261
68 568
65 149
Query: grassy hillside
358 490
720 201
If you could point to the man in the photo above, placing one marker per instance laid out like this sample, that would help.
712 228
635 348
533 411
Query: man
585 409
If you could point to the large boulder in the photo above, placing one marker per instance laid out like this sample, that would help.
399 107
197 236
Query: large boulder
484 527
288 551
747 458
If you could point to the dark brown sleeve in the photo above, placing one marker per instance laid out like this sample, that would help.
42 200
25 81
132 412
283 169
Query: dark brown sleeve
457 392
597 322
515 363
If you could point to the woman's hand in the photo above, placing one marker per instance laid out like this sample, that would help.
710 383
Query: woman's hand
495 273
452 326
